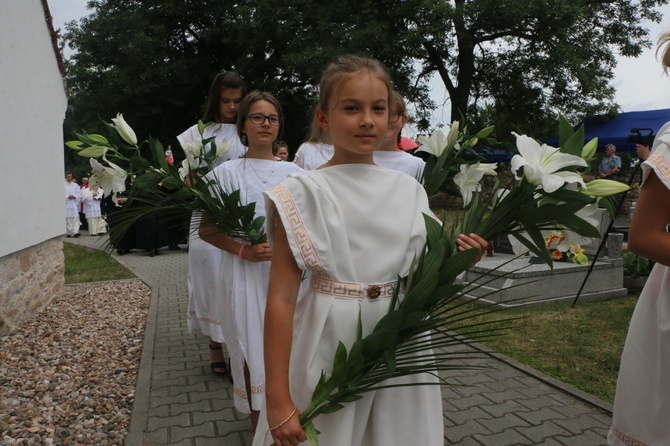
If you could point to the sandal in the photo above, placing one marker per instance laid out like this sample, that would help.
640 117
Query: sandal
218 368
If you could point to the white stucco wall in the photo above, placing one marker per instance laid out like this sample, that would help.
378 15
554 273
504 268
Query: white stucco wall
32 109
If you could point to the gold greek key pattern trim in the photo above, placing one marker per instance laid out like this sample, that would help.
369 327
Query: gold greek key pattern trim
662 165
307 251
348 289
240 392
625 439
255 390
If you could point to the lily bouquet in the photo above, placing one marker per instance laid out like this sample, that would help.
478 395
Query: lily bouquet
163 190
548 194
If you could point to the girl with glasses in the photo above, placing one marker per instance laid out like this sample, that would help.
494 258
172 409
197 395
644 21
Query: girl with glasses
245 269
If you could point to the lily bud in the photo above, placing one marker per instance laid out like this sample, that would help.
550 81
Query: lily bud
604 188
124 129
93 151
452 137
589 150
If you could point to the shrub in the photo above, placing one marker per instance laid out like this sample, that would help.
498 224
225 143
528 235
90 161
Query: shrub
635 265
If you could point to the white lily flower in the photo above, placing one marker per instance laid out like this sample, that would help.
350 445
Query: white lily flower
185 168
452 136
193 149
570 237
469 177
541 164
111 178
223 147
435 144
124 130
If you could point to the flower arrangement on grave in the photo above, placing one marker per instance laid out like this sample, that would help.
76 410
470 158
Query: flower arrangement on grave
563 249
548 194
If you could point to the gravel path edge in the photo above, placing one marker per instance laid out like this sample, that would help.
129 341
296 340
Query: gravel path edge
140 411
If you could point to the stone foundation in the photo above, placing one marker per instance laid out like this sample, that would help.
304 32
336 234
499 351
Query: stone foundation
29 280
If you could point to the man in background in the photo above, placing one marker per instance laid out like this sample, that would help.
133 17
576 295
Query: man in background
611 164
72 200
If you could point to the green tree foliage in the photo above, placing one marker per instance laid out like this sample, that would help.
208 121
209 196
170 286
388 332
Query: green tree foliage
516 64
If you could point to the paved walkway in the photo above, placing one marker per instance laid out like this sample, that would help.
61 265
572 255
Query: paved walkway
178 401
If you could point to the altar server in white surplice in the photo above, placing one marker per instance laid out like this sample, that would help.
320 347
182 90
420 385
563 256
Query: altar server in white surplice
642 401
245 269
204 260
92 197
72 200
355 227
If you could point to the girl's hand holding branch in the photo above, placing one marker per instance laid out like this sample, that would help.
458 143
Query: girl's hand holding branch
261 252
473 241
287 430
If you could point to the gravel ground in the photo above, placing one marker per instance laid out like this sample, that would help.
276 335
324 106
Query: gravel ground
68 374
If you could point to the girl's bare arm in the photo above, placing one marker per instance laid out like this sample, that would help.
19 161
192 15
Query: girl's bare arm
647 236
282 295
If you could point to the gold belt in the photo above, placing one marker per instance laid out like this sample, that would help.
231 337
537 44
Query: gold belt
353 290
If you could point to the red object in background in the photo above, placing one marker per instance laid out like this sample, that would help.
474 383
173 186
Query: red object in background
407 144
169 158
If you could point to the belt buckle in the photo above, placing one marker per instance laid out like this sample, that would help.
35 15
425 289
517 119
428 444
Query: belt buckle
374 291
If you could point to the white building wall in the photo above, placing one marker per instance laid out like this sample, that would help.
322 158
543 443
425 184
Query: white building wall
32 109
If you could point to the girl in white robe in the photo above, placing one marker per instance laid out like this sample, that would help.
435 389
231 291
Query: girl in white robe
389 155
316 151
204 260
245 269
642 401
355 227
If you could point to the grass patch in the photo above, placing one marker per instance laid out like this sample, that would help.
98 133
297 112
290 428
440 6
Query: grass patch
580 346
84 264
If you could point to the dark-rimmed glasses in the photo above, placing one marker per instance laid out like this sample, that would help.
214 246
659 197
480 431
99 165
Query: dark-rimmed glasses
259 119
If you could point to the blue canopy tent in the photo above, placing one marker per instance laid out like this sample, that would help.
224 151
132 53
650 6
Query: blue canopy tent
618 129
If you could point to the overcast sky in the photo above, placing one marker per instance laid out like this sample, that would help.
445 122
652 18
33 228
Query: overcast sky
640 82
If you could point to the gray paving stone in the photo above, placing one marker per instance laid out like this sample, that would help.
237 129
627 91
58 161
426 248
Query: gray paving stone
158 400
469 429
509 437
585 438
158 437
179 433
192 408
155 423
535 417
539 433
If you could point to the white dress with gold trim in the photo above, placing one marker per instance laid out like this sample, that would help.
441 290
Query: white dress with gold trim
642 402
244 285
352 226
204 260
